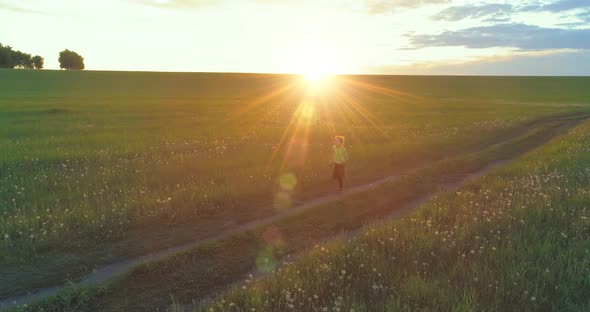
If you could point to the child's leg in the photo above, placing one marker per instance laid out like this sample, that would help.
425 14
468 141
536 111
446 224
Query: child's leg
340 182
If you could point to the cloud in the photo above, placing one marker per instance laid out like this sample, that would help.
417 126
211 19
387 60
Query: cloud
584 16
555 63
521 36
457 13
573 24
12 8
178 3
497 20
369 6
500 10
386 6
565 5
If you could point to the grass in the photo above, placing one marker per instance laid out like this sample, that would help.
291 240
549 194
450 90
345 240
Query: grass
100 166
200 272
516 239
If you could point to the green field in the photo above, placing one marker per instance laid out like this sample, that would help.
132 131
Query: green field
515 240
97 167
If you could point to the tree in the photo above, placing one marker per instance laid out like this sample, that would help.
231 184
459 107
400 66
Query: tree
70 60
10 58
6 57
38 62
22 60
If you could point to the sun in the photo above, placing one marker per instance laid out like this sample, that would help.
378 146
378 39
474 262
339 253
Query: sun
314 73
314 77
314 69
315 62
316 81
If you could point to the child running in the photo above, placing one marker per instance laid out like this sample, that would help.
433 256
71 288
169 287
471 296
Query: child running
340 159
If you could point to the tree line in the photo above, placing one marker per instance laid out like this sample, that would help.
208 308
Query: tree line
10 58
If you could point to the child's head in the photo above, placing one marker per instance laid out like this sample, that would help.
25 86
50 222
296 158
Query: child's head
339 140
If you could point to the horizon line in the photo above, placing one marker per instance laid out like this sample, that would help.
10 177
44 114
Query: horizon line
288 74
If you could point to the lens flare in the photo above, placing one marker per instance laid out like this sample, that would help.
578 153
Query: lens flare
282 201
266 261
273 236
288 181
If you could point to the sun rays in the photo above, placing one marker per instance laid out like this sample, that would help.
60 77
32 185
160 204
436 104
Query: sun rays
320 106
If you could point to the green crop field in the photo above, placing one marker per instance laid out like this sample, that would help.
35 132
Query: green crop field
515 240
100 167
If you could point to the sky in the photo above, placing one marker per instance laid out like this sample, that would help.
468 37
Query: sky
518 37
